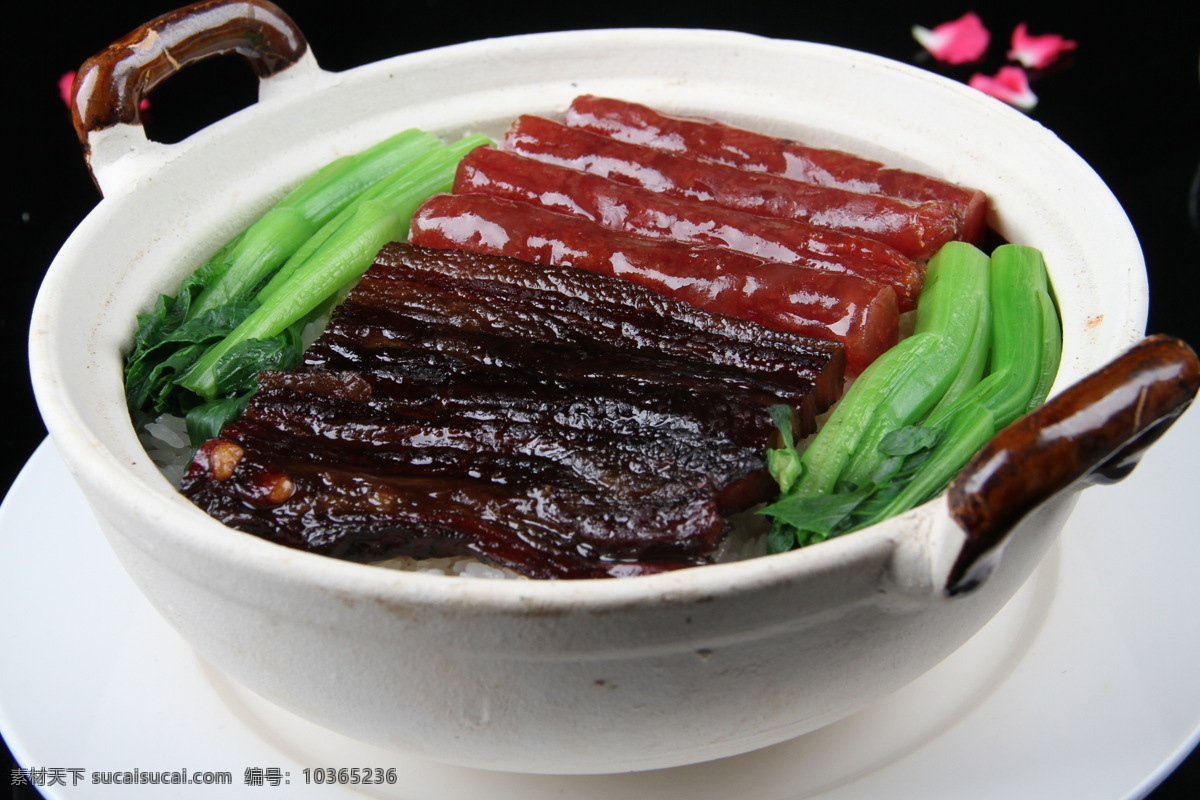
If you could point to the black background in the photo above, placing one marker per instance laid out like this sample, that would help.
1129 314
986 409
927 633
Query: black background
1128 100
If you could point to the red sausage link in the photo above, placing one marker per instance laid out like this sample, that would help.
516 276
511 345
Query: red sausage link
631 209
860 314
725 144
917 231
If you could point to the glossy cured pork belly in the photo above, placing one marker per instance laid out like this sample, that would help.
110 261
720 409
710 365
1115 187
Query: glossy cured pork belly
550 420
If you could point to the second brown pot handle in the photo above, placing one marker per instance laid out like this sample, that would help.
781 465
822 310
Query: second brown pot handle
110 86
1095 430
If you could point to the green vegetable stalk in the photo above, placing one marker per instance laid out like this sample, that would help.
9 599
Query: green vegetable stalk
986 348
286 226
199 353
904 383
340 256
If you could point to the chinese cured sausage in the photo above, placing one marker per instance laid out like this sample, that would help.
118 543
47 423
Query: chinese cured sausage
551 420
632 209
917 230
860 314
714 141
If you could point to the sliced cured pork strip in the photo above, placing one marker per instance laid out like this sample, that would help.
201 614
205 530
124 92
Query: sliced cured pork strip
859 314
554 421
916 230
632 209
715 141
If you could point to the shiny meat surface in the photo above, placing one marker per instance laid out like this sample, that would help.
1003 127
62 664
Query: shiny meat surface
915 229
636 210
709 140
861 315
547 419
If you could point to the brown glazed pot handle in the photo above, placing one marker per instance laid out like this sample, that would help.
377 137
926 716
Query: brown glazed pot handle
1094 430
110 86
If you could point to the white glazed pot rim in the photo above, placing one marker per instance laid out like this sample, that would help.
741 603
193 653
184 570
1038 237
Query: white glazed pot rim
89 457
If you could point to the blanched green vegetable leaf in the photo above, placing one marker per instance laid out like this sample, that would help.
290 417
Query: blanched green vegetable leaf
151 371
814 519
206 420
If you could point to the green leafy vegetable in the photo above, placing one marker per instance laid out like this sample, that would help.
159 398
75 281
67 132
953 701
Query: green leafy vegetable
199 352
985 350
904 383
342 256
284 228
784 462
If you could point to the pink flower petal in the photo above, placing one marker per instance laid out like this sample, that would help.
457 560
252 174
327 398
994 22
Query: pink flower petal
64 87
1036 52
1009 84
959 41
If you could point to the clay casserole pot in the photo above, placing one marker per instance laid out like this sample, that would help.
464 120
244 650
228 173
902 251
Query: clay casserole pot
589 675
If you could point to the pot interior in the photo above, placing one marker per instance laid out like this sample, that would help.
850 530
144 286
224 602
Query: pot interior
142 241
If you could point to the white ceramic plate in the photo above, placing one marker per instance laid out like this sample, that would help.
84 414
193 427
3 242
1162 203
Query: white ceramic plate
1083 686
